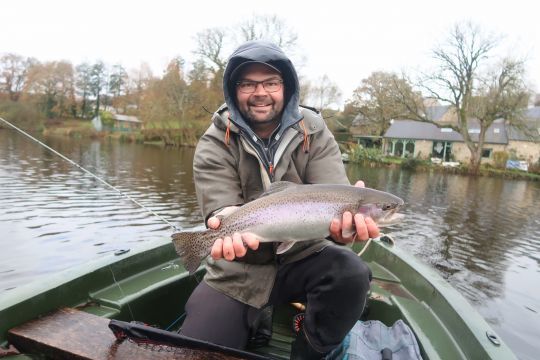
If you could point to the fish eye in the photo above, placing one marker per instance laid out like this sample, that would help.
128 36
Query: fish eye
385 207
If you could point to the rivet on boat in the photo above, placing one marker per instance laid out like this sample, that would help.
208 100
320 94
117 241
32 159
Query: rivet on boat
493 338
387 239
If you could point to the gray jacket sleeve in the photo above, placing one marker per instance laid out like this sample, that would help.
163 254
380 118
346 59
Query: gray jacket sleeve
325 165
215 174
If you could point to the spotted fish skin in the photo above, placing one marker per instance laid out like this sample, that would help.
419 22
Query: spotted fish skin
289 213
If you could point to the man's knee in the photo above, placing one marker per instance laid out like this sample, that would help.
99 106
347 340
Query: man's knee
351 272
215 317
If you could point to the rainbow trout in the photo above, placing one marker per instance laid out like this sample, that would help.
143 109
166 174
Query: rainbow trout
288 213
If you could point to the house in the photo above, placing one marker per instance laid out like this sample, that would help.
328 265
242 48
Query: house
426 140
362 131
117 122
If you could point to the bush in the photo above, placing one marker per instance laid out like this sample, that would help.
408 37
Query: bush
535 168
360 154
106 118
21 115
500 158
411 163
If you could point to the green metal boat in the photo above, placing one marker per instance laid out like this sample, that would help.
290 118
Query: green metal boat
151 286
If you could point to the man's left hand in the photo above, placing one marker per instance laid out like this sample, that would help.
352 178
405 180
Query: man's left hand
343 231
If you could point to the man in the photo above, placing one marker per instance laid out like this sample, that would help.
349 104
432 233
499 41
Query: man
260 136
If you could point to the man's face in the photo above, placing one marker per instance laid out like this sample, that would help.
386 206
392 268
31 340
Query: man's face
260 107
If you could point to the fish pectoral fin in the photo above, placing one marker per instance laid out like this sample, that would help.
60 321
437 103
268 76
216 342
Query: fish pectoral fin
285 246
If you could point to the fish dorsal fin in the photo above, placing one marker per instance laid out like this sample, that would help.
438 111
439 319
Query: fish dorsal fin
279 186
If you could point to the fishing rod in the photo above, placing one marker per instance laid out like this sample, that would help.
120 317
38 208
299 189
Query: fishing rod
174 227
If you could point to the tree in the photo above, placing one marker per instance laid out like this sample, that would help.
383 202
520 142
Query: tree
13 74
201 93
97 83
479 92
164 101
83 87
139 81
377 100
270 28
210 47
118 79
52 83
324 92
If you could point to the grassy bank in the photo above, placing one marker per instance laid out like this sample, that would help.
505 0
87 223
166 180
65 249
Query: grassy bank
159 134
374 157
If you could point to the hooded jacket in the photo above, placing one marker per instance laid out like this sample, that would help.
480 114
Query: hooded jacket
232 166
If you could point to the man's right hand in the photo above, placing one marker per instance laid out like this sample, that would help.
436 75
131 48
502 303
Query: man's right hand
231 247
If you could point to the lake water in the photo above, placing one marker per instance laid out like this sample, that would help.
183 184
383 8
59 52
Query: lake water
481 234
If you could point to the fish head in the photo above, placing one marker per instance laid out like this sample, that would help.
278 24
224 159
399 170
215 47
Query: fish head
382 207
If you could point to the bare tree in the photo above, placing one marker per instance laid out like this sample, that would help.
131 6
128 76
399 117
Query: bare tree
139 80
13 74
477 92
268 27
210 47
324 92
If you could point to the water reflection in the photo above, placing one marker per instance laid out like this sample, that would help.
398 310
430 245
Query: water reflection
53 215
482 234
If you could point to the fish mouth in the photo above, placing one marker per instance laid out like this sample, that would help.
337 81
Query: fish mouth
390 218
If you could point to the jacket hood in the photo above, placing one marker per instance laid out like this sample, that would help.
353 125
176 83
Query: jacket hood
268 53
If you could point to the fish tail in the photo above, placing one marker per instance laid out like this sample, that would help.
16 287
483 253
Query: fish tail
192 247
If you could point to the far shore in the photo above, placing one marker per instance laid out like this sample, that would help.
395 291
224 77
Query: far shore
179 137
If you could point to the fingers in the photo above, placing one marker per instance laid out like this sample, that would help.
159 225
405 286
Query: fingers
217 249
233 247
347 231
373 229
365 227
360 183
361 228
335 229
223 249
228 248
238 245
342 231
213 222
251 241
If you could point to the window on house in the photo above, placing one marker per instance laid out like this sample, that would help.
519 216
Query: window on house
442 150
496 131
446 130
474 131
486 153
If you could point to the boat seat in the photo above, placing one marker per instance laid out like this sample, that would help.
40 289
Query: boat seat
70 333
428 328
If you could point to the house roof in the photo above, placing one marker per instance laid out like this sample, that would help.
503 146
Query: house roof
533 113
127 118
436 112
410 129
531 122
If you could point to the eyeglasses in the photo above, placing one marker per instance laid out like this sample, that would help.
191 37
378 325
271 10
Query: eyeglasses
249 87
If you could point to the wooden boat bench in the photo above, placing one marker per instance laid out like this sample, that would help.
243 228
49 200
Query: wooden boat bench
73 334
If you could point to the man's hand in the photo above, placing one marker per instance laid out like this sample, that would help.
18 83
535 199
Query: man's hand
343 231
231 247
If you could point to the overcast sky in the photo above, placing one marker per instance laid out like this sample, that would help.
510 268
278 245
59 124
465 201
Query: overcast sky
347 40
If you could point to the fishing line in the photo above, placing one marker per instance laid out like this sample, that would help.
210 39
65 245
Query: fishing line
122 292
93 175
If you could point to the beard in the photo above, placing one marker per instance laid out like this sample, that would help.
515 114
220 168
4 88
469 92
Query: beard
256 119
